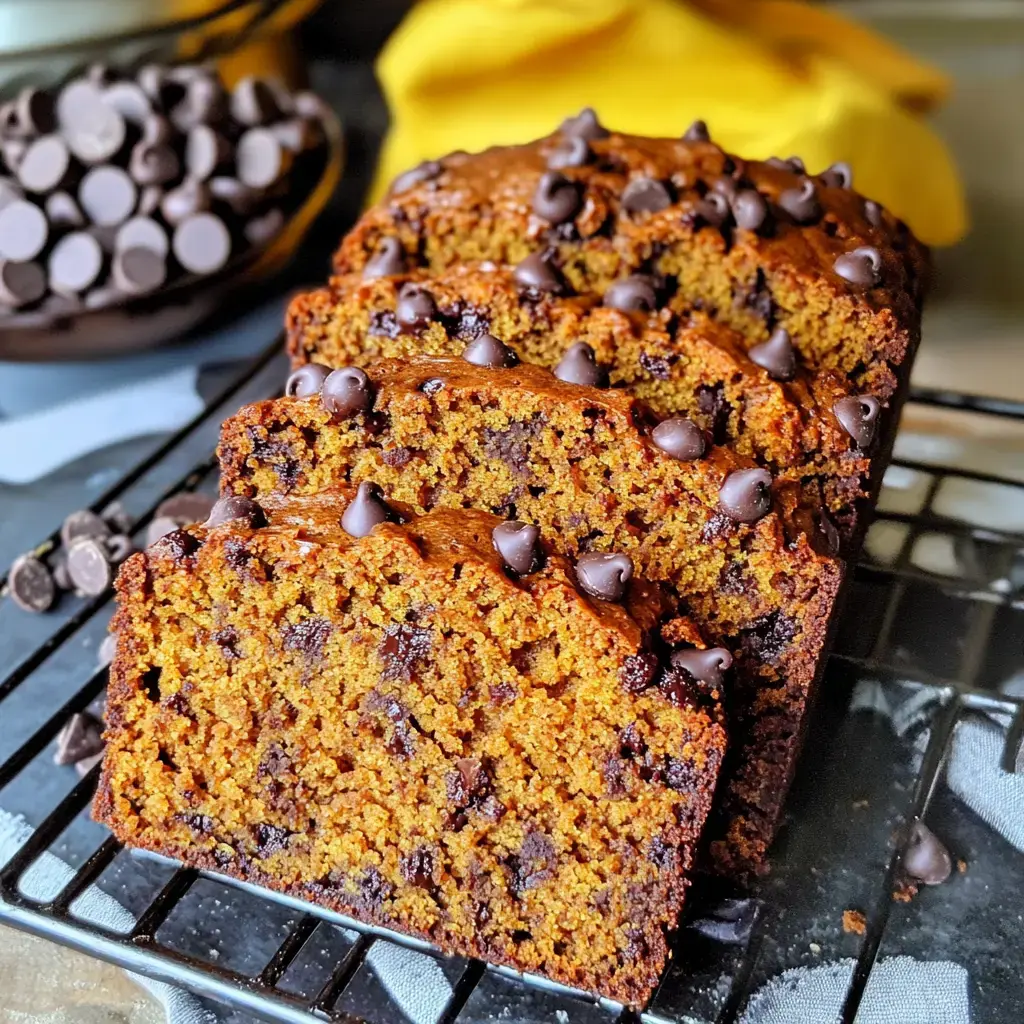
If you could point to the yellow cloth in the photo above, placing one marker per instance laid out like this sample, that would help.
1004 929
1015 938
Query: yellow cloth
770 77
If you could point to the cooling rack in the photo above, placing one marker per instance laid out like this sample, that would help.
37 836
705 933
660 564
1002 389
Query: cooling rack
935 614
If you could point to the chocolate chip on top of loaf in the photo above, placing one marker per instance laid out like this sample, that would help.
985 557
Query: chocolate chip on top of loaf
584 465
406 728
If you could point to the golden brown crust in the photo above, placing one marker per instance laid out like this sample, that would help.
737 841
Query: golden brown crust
394 728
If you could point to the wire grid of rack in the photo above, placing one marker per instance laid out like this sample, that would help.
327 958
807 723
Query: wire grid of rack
955 634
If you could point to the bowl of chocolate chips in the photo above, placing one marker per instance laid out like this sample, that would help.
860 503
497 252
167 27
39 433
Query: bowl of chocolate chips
133 204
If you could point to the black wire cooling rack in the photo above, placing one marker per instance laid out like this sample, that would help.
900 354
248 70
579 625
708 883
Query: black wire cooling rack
936 610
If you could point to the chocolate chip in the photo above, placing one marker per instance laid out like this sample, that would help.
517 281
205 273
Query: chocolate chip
862 267
297 134
306 381
873 213
201 243
556 199
83 525
536 272
309 636
388 260
681 438
239 198
704 666
137 270
801 203
89 566
233 508
604 575
23 231
572 151
130 100
34 113
713 210
253 102
516 542
159 528
403 646
584 125
157 130
260 159
858 416
839 175
488 352
793 163
44 165
10 190
177 544
205 100
418 868
776 355
142 232
746 495
579 366
62 211
21 283
729 921
186 507
365 511
697 132
645 195
189 198
81 737
346 392
31 585
206 151
107 195
97 134
926 860
426 171
415 307
75 263
106 651
633 294
749 210
432 386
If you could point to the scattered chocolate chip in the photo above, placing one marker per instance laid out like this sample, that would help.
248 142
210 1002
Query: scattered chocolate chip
83 524
388 260
189 198
776 355
633 294
488 352
516 542
130 100
186 507
858 416
861 267
729 921
873 213
749 210
236 507
81 737
44 164
205 100
646 195
579 366
89 566
23 231
426 171
584 125
415 308
346 392
34 113
365 511
572 151
793 163
801 203
925 859
681 438
713 210
201 243
143 232
159 528
839 175
107 650
707 666
206 151
118 548
604 575
31 585
556 199
238 197
746 495
62 211
9 191
137 270
253 102
260 159
537 272
75 263
697 132
306 381
21 284
107 195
